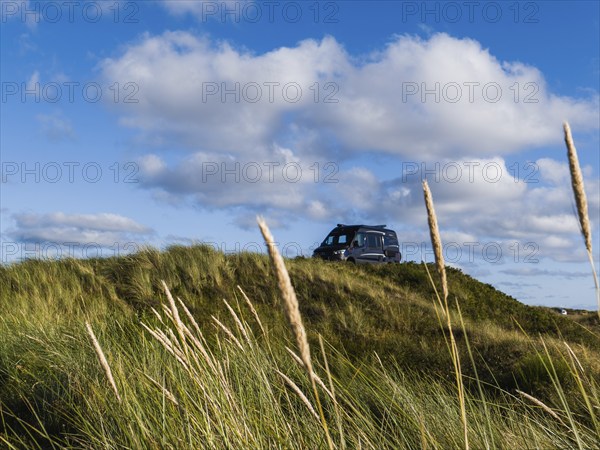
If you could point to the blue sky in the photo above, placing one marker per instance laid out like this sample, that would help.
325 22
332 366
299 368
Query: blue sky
126 124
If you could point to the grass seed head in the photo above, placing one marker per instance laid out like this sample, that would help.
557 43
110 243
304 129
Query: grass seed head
578 188
436 240
289 296
102 360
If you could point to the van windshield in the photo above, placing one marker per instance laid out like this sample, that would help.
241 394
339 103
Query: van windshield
337 239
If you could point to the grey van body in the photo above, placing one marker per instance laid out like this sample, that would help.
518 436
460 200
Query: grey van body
361 244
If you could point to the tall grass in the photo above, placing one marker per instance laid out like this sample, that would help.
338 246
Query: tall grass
102 360
237 387
436 242
294 318
581 202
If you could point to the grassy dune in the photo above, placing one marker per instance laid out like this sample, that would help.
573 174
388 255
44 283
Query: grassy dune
385 373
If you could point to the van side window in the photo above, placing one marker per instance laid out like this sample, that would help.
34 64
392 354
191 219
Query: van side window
374 240
342 239
360 237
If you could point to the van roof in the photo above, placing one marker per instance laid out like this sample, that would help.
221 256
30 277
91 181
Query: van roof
359 226
353 228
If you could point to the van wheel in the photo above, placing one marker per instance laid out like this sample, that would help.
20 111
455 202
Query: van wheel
351 260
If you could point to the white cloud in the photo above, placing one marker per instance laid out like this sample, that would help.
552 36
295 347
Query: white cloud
104 229
553 171
317 210
556 223
222 181
175 72
375 111
151 165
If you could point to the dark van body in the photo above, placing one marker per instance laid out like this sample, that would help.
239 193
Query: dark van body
360 244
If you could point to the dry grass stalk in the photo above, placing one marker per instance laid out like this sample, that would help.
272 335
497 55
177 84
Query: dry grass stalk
168 345
436 241
182 329
578 188
173 339
195 339
437 296
158 316
228 333
541 405
183 348
574 357
103 361
167 312
581 202
238 323
192 321
317 379
191 318
289 296
299 392
164 390
293 314
252 309
210 360
332 395
174 312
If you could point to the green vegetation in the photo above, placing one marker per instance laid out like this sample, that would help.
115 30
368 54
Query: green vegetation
231 383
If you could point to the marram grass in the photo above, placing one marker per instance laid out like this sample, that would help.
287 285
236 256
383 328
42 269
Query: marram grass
102 360
215 388
293 315
436 242
581 202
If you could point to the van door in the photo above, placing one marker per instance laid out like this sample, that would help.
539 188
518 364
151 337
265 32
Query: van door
373 249
358 247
